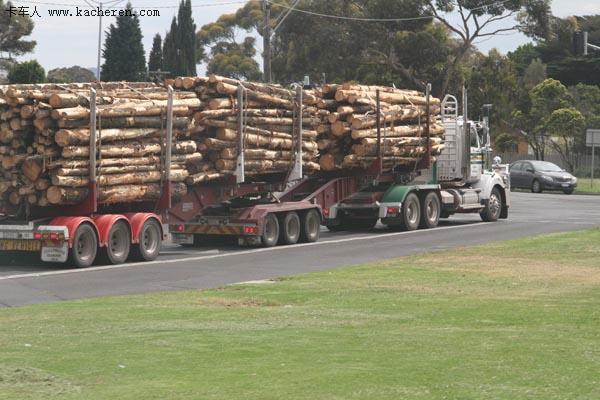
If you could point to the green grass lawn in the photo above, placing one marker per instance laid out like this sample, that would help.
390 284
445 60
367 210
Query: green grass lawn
513 320
584 185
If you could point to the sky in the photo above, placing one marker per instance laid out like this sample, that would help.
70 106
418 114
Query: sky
73 40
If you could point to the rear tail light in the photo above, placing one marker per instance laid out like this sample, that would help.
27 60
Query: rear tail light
250 230
326 212
37 235
53 236
180 228
391 211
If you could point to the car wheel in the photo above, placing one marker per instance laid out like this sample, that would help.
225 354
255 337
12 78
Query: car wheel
493 207
568 191
536 186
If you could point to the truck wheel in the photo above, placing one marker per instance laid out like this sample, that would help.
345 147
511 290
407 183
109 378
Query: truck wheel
149 242
493 207
536 186
411 213
270 234
311 227
85 246
119 244
290 229
430 211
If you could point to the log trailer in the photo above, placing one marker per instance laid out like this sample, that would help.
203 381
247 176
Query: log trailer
291 209
79 232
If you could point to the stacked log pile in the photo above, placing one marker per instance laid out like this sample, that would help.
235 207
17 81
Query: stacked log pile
352 139
269 131
45 137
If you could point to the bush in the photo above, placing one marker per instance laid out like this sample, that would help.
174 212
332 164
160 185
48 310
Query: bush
27 72
585 172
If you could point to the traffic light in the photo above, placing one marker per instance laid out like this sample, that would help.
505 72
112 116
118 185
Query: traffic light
580 43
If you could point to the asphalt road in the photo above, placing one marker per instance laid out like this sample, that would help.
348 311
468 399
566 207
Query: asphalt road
26 281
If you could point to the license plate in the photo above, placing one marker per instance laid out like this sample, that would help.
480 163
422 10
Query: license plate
55 253
565 185
20 245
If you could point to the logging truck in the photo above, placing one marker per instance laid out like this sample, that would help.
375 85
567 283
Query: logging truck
293 209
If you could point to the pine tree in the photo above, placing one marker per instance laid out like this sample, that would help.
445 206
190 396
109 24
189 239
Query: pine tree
186 39
13 28
124 57
155 60
170 50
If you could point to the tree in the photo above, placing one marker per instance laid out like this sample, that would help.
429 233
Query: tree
493 80
27 72
340 49
179 48
13 28
170 52
155 60
531 121
71 75
186 39
565 127
235 60
218 47
479 18
123 52
534 74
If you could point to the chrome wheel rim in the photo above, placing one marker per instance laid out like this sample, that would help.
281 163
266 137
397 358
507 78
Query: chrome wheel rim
494 204
432 211
85 246
118 242
270 230
150 238
313 225
292 228
411 213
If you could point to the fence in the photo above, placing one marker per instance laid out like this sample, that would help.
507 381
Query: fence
582 163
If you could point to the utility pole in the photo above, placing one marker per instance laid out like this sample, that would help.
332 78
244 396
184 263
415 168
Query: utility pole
99 43
267 41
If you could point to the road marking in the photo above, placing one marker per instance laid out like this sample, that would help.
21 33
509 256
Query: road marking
238 253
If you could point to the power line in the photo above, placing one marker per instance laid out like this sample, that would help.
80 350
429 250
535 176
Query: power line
316 14
133 7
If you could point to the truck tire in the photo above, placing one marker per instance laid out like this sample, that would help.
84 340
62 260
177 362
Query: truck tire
270 234
290 229
430 211
411 213
493 207
118 245
149 242
311 227
536 186
85 246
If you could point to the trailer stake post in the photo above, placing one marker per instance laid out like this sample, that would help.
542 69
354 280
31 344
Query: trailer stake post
379 157
239 170
164 202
